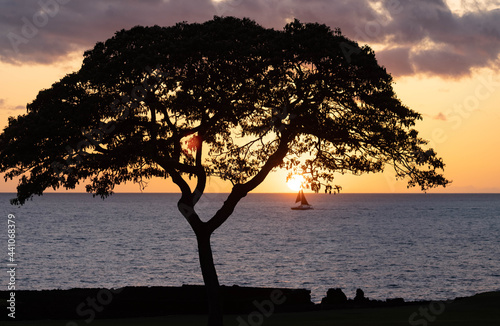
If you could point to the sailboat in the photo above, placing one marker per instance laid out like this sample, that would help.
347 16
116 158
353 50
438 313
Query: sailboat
304 205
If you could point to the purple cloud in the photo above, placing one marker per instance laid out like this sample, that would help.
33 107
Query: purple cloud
414 36
397 60
46 31
443 43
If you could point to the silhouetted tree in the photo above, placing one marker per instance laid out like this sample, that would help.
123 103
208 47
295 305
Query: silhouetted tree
226 98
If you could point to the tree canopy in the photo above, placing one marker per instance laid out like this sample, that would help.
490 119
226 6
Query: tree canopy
227 98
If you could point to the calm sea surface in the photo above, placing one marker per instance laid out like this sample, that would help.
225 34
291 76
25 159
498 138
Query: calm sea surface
411 246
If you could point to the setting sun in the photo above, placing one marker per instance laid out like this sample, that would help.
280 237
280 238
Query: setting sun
295 182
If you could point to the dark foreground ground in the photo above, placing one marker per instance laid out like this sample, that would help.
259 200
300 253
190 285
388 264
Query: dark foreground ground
244 306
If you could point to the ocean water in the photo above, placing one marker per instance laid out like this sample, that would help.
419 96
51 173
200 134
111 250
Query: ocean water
413 246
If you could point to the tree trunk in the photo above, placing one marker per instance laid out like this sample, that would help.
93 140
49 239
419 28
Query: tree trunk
215 315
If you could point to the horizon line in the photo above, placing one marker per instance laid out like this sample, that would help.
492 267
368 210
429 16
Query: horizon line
280 193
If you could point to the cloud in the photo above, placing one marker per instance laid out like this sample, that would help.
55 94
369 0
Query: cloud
33 33
440 116
443 43
10 111
411 37
397 60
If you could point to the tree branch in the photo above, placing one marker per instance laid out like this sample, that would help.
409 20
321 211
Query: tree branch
200 174
241 190
186 202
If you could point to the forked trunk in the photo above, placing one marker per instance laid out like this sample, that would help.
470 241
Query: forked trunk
215 315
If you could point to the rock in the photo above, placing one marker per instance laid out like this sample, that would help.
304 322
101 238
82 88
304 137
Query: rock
334 297
360 296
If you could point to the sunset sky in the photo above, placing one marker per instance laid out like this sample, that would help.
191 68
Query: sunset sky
444 56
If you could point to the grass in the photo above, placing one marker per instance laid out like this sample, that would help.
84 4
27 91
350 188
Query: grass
479 310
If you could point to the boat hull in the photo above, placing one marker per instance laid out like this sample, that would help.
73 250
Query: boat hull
302 208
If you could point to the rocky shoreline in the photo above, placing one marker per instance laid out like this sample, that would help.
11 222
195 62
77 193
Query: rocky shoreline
130 302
